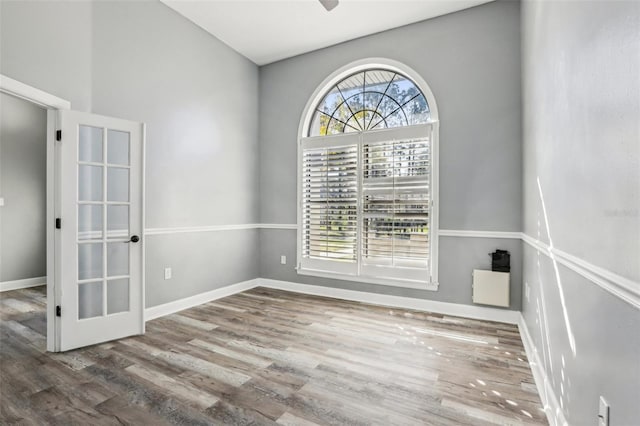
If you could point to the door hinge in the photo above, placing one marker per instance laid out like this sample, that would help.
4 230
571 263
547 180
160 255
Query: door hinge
58 311
58 223
58 135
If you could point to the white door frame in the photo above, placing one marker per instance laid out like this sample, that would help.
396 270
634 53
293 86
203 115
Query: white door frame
52 104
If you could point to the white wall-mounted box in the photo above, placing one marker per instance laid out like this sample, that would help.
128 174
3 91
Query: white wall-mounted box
491 288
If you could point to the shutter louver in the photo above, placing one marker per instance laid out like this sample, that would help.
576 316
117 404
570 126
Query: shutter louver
329 203
395 203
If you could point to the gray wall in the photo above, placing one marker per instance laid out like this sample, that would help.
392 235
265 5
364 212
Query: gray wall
23 156
47 44
142 61
471 61
581 126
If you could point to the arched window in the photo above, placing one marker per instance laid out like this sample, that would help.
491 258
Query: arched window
368 179
368 100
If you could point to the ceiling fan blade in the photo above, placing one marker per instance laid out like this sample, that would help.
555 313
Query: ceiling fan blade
329 4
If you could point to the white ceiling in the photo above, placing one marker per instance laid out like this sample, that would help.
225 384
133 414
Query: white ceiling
266 31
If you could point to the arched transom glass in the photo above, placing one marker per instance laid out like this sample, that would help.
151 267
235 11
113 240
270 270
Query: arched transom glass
367 100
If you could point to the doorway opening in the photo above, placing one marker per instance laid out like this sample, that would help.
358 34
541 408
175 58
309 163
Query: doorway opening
23 191
28 98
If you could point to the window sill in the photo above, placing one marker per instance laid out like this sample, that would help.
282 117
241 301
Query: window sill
391 282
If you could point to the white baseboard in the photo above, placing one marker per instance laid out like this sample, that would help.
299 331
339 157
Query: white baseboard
552 407
454 309
26 283
189 302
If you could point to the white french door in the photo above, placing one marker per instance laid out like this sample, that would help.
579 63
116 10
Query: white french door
99 213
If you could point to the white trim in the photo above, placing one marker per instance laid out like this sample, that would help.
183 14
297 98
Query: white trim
537 244
391 282
434 182
453 309
216 228
53 273
16 88
26 283
189 302
143 243
478 234
548 397
619 286
292 226
189 229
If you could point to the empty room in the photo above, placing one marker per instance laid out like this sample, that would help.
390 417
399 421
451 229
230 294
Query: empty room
320 212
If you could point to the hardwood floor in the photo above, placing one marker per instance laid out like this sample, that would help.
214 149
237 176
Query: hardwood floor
270 357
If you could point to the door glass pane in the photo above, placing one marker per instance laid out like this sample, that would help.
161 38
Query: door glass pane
117 147
89 221
117 221
117 259
89 183
90 144
117 184
90 300
89 261
117 296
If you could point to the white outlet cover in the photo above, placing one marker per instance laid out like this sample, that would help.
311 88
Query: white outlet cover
1 201
283 259
603 413
167 273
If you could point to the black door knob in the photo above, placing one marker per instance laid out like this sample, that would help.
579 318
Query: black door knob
134 239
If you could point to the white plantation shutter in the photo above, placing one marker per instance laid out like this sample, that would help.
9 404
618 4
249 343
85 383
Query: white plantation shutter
366 204
330 204
395 208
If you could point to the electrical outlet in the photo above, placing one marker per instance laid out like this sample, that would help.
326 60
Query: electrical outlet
526 290
283 259
603 413
1 201
167 273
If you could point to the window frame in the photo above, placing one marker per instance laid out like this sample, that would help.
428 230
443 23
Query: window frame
431 126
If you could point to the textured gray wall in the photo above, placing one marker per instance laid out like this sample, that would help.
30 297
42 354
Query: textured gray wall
471 61
23 181
142 61
581 96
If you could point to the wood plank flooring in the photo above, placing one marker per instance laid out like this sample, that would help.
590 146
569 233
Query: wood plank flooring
267 357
